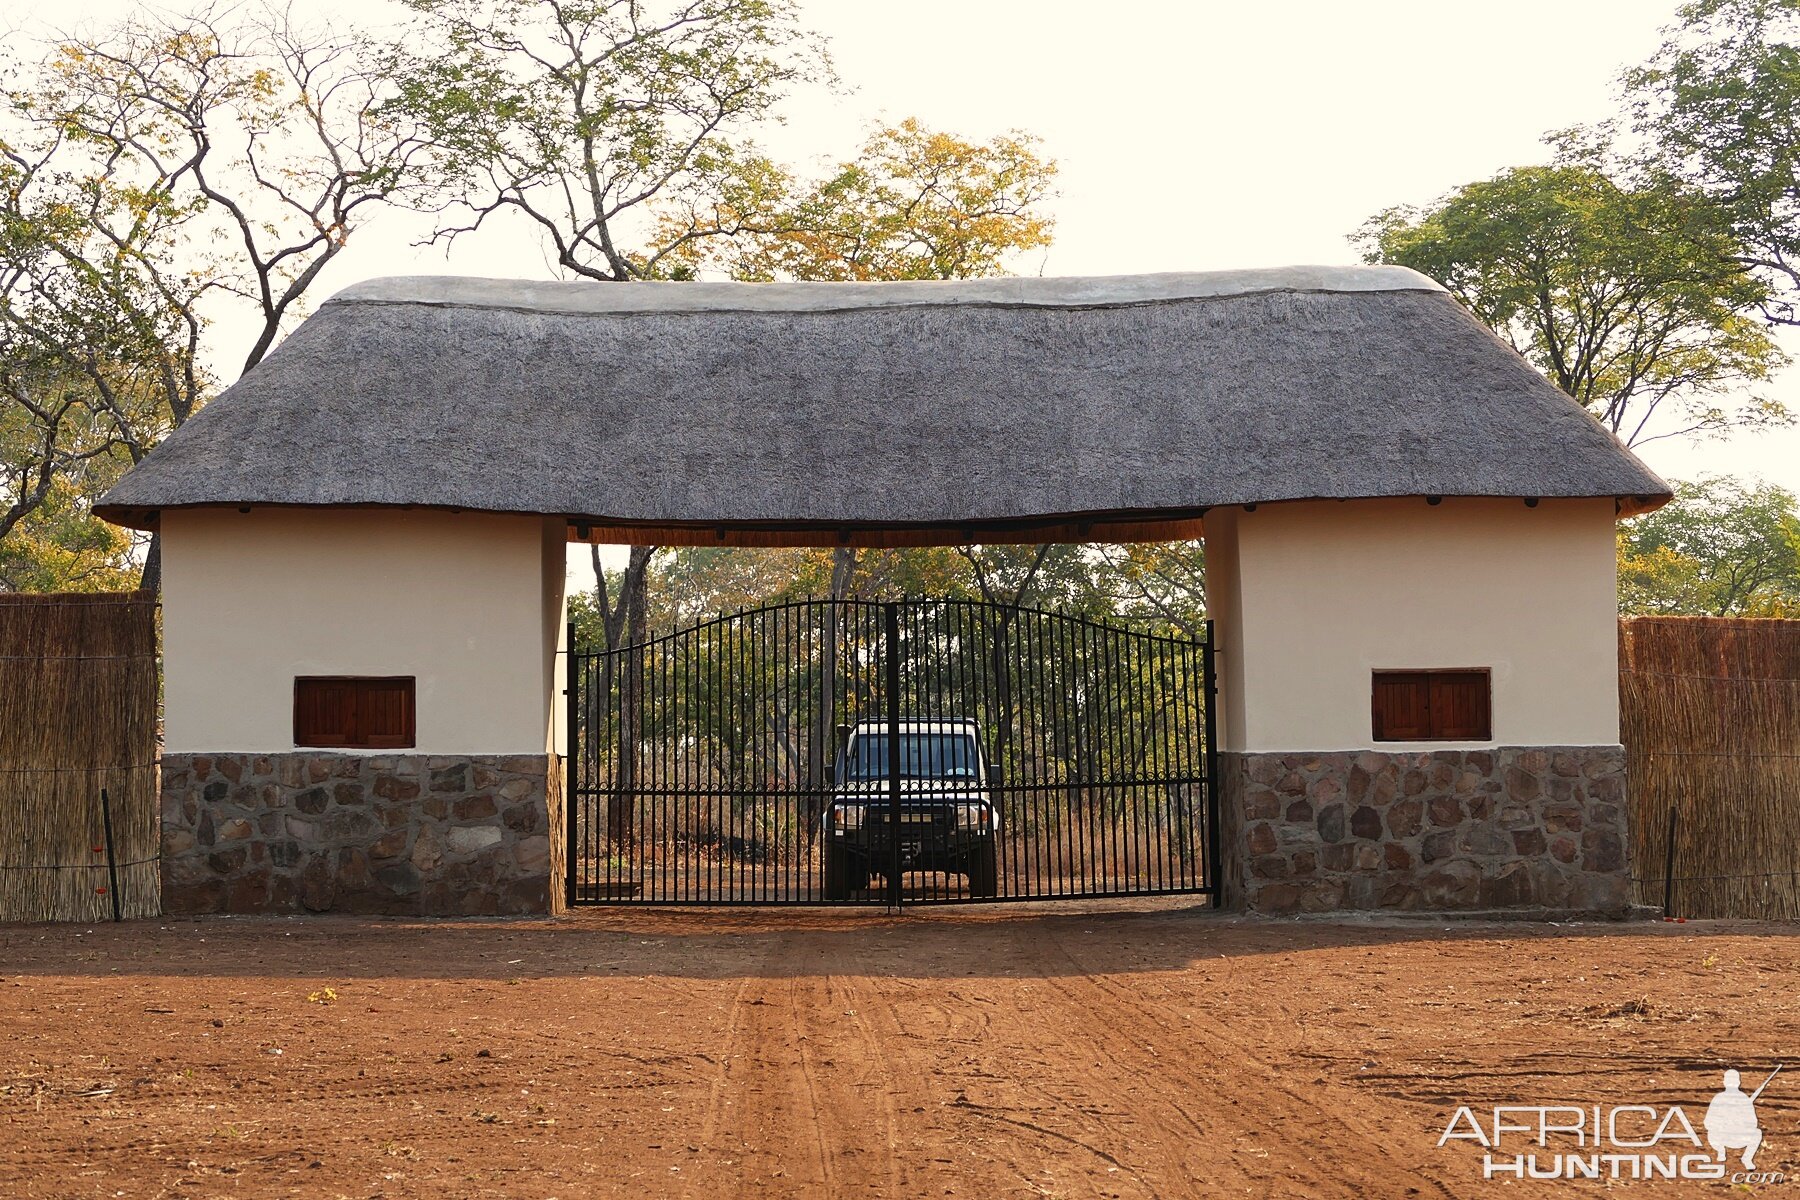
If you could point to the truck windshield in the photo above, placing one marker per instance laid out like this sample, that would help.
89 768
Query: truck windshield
922 756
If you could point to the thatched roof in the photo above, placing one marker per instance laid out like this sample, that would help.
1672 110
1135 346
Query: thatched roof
896 411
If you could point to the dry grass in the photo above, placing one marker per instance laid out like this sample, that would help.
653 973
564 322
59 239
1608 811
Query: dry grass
78 699
1710 717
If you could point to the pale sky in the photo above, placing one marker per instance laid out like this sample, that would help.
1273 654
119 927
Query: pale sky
1192 136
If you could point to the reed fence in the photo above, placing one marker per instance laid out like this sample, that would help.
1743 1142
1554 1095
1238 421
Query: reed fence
78 744
1710 719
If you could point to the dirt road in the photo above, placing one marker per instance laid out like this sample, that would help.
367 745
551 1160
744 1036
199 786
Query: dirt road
980 1053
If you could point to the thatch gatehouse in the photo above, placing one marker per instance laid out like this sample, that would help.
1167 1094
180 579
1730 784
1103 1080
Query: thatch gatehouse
1410 546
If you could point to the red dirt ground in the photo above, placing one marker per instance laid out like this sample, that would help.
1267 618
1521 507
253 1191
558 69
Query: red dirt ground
975 1052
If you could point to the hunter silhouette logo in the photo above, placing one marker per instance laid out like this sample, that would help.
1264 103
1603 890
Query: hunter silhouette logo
1619 1141
1731 1119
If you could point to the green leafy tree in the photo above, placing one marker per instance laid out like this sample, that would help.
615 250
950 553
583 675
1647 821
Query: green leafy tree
1718 106
1719 548
156 176
583 116
1162 583
1629 299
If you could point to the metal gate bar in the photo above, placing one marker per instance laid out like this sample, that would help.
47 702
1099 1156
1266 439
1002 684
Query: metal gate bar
705 766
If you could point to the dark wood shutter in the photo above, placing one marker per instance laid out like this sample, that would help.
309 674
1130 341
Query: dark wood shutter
1424 706
1402 706
1459 706
354 713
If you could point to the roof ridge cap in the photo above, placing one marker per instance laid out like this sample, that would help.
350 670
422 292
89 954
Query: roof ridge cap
1099 291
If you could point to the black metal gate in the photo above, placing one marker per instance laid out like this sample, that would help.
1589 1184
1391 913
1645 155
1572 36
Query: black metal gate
750 759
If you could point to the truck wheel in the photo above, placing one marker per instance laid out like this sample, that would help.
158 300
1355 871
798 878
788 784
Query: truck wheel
837 874
984 872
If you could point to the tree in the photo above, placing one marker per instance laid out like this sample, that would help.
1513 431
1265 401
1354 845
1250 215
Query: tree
1164 582
162 174
1719 548
580 115
1718 107
59 546
914 204
1629 299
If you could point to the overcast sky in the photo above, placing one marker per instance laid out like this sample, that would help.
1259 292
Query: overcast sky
1192 135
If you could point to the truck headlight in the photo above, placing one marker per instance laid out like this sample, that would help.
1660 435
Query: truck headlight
848 816
973 816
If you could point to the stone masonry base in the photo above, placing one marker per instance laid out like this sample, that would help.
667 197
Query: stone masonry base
387 833
1517 827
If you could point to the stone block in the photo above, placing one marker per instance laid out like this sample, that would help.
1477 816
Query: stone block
1445 812
1405 817
1269 866
393 787
399 879
194 899
351 825
248 893
1261 804
533 855
475 808
427 851
1327 895
1455 884
1508 886
1276 899
1602 851
1260 838
453 777
1365 823
1436 847
228 862
1330 822
1522 784
470 839
1528 843
1484 840
318 883
527 817
391 844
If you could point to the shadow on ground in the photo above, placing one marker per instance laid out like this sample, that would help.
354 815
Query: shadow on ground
697 943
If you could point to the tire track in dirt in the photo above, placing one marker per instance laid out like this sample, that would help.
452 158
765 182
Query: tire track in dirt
798 1073
1272 1111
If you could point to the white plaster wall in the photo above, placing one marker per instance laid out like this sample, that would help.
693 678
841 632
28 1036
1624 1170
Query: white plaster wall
1311 597
468 603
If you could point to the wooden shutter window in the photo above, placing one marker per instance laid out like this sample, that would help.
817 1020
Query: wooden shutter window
1432 706
356 713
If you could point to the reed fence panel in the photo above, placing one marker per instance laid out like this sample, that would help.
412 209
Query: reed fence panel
78 715
1710 719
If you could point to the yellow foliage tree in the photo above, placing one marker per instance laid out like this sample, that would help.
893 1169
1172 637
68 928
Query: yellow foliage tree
915 203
